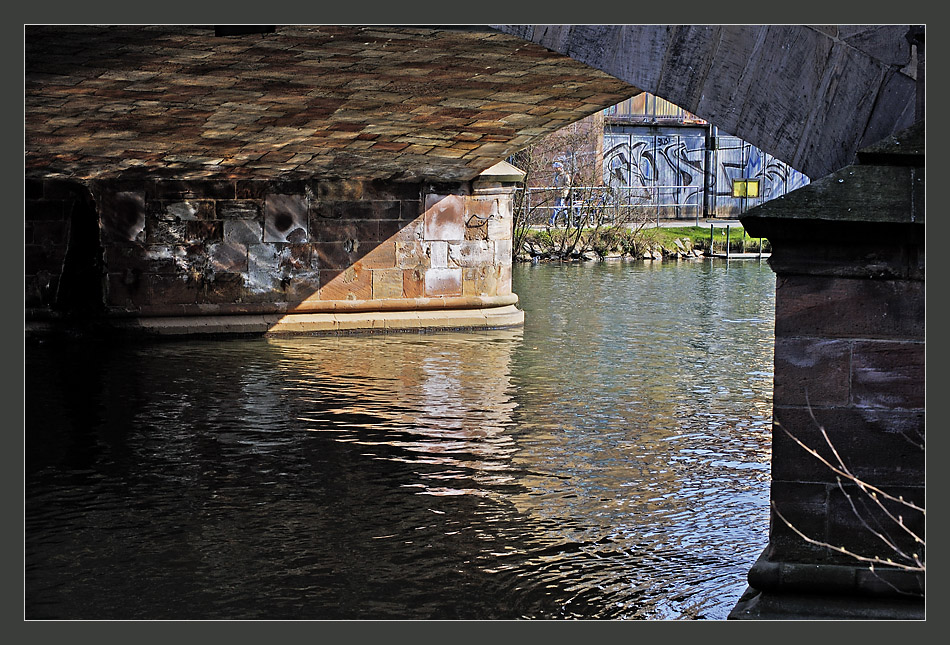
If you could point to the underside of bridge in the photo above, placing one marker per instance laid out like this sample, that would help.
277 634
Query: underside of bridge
297 179
321 179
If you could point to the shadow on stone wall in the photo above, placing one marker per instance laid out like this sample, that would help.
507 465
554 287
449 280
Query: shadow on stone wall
188 248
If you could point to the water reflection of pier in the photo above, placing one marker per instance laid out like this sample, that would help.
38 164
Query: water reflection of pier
410 399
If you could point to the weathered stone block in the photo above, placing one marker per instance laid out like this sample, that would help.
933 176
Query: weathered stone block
443 282
388 190
204 232
352 283
251 189
336 256
238 209
295 260
402 231
328 210
479 281
888 374
901 258
228 257
157 259
190 189
361 231
882 447
476 229
330 190
182 232
262 275
192 258
122 217
387 283
438 253
173 289
285 218
263 256
187 210
804 505
444 218
478 214
165 232
503 252
410 209
471 253
223 288
243 231
812 371
848 308
504 280
381 256
302 288
853 517
411 255
413 283
499 228
386 210
357 210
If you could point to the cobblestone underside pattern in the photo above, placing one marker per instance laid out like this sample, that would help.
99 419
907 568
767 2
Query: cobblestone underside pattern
394 103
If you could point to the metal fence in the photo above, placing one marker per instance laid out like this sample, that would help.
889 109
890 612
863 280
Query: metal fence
609 204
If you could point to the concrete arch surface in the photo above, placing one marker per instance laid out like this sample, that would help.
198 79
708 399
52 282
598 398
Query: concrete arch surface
809 95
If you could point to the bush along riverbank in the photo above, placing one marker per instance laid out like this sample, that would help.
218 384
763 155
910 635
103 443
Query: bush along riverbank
647 243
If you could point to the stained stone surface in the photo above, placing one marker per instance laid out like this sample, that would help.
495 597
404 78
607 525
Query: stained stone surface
340 102
849 386
205 247
812 95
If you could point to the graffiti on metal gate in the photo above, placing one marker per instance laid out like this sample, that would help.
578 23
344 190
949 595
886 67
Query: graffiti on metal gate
673 171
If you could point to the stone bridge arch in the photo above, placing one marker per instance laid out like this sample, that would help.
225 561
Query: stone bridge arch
810 95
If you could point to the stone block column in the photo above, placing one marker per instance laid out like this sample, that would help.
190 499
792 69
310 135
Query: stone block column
848 407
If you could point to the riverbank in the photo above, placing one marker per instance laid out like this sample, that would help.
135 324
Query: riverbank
666 241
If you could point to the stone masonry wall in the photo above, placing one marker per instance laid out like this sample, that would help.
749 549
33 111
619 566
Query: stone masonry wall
219 247
849 358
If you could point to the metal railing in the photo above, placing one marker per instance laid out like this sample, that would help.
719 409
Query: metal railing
584 201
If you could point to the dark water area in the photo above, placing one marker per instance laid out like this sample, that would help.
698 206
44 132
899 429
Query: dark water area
609 460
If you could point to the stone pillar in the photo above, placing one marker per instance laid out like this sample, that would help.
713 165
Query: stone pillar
848 254
308 256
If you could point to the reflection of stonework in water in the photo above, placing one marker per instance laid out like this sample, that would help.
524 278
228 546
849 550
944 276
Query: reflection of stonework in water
437 421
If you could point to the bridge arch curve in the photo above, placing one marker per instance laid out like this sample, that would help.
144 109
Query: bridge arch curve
809 95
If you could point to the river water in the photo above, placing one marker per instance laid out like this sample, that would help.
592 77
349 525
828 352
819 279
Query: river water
609 460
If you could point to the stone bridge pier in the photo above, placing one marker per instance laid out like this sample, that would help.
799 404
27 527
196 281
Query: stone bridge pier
258 256
847 536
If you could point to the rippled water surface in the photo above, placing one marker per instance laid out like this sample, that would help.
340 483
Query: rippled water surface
609 460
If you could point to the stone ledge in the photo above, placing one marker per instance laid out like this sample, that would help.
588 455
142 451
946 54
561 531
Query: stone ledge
834 579
277 309
808 591
309 323
758 605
